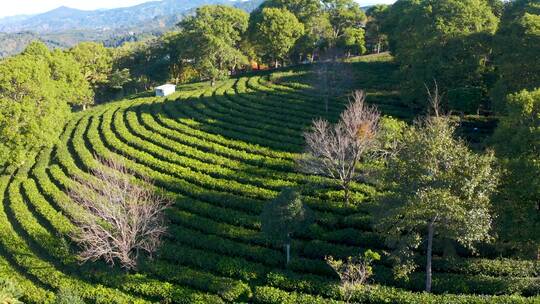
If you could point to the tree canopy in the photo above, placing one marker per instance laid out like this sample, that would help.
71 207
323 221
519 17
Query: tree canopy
283 217
438 188
96 62
517 142
445 40
517 42
33 106
274 31
211 38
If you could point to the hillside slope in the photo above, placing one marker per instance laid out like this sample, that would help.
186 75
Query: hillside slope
153 14
222 152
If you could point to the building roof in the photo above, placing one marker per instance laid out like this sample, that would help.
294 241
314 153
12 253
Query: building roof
166 86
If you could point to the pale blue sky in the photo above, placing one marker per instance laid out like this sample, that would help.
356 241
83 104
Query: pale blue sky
18 7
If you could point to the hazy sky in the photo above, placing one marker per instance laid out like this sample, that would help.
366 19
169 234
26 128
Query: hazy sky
18 7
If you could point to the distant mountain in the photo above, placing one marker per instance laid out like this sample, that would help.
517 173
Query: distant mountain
64 27
149 15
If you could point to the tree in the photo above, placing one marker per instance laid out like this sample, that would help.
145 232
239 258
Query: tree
66 72
335 151
119 78
284 216
124 217
274 32
446 40
149 62
317 29
344 15
354 272
96 62
304 10
516 42
436 187
32 109
211 38
517 143
353 41
376 39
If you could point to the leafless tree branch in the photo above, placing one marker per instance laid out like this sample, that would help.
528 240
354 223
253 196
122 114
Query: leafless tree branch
335 150
125 217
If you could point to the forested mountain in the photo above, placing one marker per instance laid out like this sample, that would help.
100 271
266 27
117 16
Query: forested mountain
65 27
150 14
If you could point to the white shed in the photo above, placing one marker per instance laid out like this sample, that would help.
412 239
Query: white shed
164 90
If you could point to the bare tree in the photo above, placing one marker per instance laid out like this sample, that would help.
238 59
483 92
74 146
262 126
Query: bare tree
354 272
335 151
125 217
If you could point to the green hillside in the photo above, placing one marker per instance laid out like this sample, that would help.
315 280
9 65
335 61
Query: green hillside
223 152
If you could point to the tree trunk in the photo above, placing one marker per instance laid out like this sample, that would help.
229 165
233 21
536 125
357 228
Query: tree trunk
347 194
213 82
379 46
276 64
428 255
84 107
288 252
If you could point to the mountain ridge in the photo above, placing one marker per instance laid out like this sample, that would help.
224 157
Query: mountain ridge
153 14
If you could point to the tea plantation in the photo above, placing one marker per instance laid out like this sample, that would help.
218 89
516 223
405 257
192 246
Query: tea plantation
222 152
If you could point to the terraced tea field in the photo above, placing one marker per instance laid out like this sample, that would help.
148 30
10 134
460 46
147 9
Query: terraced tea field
222 152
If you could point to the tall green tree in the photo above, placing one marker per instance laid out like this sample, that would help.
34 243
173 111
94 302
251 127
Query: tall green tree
274 32
304 10
96 62
517 45
445 40
437 188
517 142
317 29
344 15
376 39
353 42
66 72
211 38
32 109
284 216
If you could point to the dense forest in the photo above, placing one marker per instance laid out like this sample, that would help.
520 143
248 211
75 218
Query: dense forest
314 152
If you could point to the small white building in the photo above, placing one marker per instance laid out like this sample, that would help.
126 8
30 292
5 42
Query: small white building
164 90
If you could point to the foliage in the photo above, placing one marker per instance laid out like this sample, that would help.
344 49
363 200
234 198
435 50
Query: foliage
96 62
9 292
119 78
146 63
447 41
284 216
352 41
354 272
517 142
274 31
376 39
68 296
211 38
32 108
520 26
71 85
436 186
345 16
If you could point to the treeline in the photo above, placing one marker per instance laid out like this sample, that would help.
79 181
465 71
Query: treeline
484 57
217 41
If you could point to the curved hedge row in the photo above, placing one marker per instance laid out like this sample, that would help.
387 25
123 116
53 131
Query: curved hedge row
220 153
